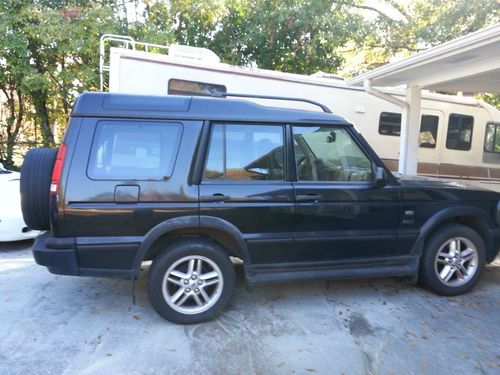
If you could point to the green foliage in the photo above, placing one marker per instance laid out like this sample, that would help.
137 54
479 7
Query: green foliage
49 54
492 99
292 36
404 28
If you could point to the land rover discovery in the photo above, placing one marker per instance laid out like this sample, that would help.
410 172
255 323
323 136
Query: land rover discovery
192 183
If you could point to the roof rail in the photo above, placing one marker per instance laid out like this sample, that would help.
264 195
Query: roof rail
217 94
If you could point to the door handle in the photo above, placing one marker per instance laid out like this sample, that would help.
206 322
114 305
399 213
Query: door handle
216 197
312 197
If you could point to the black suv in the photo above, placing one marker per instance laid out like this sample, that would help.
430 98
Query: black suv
193 183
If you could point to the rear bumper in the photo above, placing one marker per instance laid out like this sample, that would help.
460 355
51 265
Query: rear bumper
60 257
60 260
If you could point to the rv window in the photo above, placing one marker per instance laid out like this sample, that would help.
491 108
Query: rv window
492 138
390 124
459 132
246 152
182 87
428 131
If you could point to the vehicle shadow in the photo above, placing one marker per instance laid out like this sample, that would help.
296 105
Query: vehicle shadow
17 245
368 290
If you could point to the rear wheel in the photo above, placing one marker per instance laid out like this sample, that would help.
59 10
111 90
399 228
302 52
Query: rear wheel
453 260
191 281
36 175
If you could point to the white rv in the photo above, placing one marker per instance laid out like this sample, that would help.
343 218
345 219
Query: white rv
459 136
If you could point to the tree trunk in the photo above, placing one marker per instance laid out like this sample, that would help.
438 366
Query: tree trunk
9 152
9 125
40 102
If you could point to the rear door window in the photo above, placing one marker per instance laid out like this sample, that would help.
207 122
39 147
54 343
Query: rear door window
132 150
252 152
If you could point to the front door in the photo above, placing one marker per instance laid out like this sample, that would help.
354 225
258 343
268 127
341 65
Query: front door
341 212
245 183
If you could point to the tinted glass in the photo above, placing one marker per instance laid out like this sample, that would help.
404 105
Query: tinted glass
134 151
329 154
492 138
245 152
214 169
428 131
390 124
459 132
183 87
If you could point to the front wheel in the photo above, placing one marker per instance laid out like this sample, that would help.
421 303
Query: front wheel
191 281
453 260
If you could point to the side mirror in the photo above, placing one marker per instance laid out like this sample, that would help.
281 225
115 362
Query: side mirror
380 176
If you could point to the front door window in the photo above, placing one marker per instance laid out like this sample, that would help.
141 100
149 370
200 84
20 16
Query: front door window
326 153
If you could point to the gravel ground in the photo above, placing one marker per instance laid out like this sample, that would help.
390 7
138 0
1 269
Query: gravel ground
68 325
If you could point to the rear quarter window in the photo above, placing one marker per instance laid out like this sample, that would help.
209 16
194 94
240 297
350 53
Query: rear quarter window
132 150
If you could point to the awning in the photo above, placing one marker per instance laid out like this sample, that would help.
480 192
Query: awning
470 63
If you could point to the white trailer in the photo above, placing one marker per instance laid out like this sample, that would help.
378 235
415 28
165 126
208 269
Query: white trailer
459 136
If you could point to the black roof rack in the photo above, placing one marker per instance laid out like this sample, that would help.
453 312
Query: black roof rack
218 94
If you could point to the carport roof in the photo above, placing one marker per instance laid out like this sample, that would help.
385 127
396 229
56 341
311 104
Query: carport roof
470 63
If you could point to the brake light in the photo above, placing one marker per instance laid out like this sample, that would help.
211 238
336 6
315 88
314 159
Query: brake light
56 172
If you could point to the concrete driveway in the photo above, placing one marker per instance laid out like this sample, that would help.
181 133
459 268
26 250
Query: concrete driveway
68 325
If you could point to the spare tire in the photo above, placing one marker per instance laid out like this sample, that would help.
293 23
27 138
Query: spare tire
36 176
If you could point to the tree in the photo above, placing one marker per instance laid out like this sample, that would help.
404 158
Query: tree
292 36
13 121
403 28
300 36
48 51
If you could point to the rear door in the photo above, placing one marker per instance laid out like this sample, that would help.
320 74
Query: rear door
245 183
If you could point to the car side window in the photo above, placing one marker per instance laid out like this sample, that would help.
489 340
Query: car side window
246 152
132 150
326 153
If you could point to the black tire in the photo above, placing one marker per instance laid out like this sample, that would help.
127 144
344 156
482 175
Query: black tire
203 249
429 277
36 175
